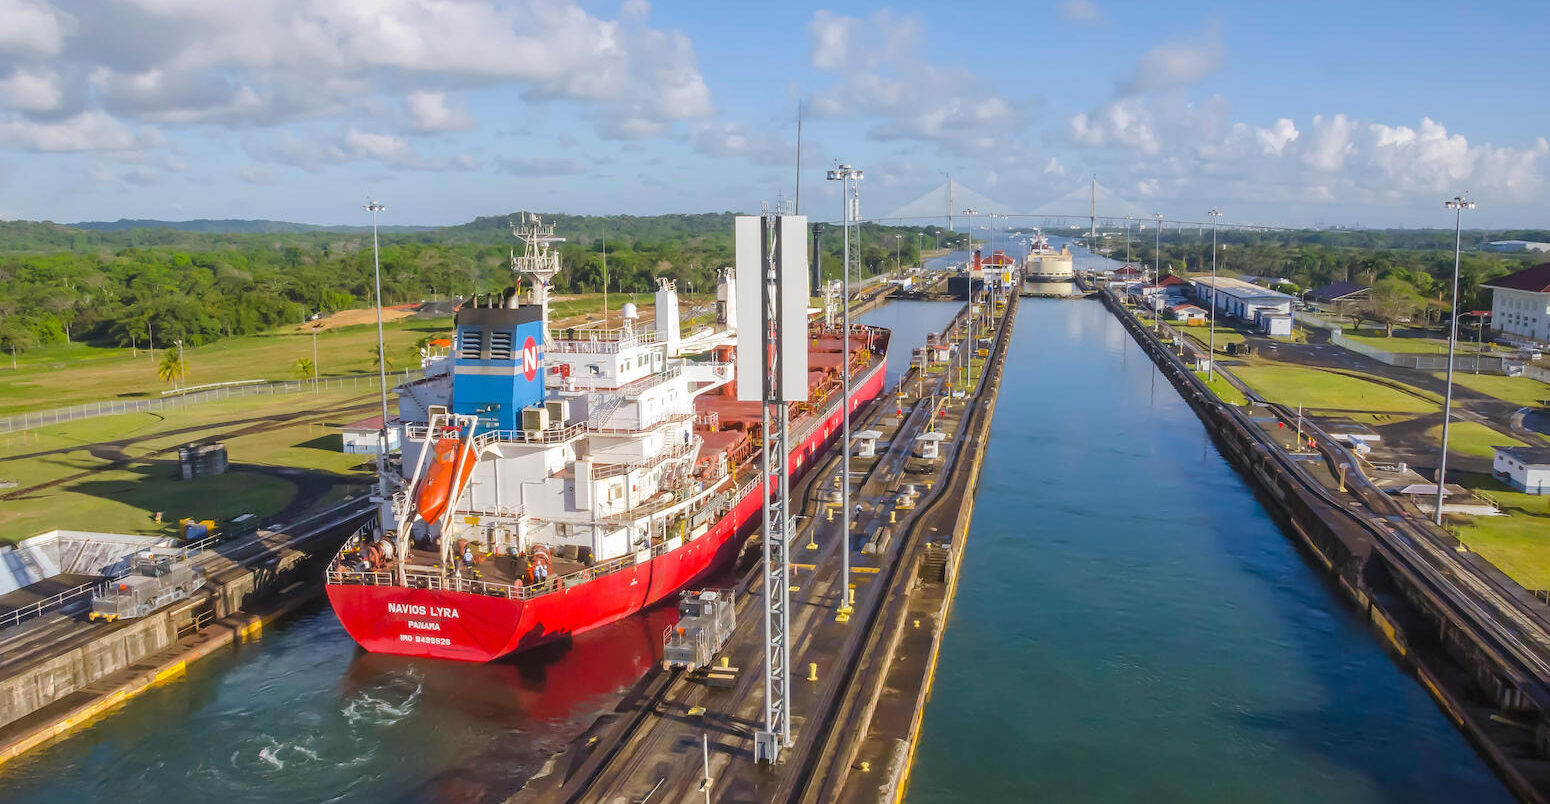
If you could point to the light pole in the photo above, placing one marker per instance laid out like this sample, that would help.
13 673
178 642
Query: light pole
376 262
1157 271
1211 337
920 257
1458 204
968 362
852 195
180 366
1128 220
315 328
898 248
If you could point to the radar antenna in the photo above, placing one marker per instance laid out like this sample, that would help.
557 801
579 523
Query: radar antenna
537 260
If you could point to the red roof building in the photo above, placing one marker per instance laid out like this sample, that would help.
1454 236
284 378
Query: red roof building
1520 304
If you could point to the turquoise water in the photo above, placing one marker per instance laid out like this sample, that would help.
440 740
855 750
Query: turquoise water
1130 625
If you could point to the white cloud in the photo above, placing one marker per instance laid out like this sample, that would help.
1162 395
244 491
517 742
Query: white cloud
255 175
1176 64
87 131
1123 121
735 139
1054 168
1084 12
315 150
267 62
428 111
884 74
32 89
538 168
31 27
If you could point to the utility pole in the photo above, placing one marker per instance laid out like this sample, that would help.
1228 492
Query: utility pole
1092 211
851 188
1458 204
382 434
1157 271
1211 345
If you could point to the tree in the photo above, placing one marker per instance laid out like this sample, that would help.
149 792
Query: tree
304 368
376 359
172 368
1392 301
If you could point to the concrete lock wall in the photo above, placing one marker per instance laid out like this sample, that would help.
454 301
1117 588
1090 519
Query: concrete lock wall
45 683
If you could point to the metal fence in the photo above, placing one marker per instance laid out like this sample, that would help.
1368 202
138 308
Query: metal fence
1422 362
17 422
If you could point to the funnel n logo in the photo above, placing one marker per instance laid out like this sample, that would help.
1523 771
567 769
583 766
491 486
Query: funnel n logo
529 359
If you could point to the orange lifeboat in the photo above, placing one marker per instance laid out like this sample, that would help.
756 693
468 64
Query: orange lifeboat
437 487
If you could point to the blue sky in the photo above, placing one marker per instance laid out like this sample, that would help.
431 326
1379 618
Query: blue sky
1278 113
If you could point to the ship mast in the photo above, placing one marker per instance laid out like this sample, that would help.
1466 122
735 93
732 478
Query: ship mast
537 260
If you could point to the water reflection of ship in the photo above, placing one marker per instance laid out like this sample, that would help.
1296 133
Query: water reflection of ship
552 684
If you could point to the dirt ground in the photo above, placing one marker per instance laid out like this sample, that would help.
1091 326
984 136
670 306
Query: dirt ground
350 318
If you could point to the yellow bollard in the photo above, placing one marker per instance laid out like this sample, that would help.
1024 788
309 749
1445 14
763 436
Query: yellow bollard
812 671
726 661
917 623
831 513
893 517
865 766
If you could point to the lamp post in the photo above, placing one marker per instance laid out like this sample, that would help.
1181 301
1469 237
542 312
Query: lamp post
1458 204
1157 271
1211 337
898 248
376 262
968 362
315 328
920 257
852 195
180 366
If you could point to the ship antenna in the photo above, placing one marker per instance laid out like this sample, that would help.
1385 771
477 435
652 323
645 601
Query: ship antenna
537 260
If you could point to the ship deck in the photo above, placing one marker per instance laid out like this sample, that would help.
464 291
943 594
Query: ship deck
488 567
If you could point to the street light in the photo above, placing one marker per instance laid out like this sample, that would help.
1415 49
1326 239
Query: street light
376 261
968 363
920 257
316 325
1211 346
1458 204
852 195
1157 271
898 248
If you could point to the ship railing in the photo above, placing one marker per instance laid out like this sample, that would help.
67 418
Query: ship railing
672 452
670 418
599 341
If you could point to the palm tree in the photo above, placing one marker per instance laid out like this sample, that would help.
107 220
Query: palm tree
304 368
173 367
376 359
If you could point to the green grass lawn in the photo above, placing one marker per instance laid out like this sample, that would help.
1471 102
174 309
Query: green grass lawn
1472 439
1409 344
1202 335
1518 543
62 376
293 433
1524 391
1223 389
1317 389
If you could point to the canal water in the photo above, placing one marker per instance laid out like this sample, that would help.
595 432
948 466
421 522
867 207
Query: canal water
1130 625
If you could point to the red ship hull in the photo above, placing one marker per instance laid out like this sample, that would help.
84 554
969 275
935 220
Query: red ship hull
478 628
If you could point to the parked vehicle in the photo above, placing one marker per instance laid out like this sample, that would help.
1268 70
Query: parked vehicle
156 579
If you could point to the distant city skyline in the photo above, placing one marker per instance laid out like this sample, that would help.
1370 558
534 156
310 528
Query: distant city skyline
300 110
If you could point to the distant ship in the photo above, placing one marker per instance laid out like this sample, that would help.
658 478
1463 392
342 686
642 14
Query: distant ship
1048 272
553 482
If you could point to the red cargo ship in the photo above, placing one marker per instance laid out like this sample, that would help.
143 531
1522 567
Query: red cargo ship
610 470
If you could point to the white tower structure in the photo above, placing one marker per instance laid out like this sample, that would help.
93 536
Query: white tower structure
667 315
726 299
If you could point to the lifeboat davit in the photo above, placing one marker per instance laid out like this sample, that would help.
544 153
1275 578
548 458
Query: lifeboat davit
437 487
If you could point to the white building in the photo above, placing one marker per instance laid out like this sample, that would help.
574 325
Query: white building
361 437
1524 468
1515 245
1275 323
1241 300
1520 304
